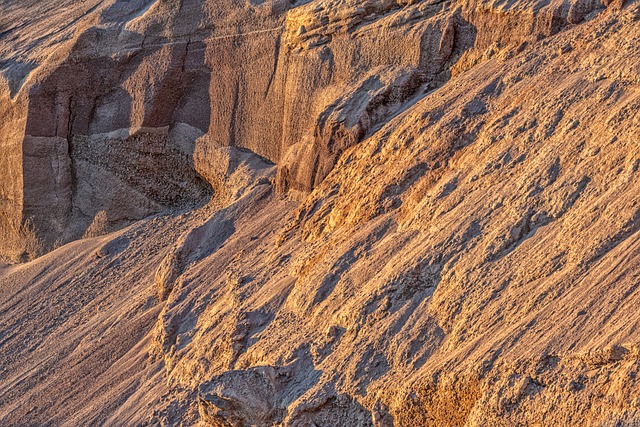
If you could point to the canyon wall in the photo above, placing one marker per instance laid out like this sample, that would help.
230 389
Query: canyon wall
121 118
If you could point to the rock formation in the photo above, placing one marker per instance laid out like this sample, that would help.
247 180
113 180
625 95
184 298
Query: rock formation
327 212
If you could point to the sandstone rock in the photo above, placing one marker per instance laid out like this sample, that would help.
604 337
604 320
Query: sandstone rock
152 95
242 399
415 213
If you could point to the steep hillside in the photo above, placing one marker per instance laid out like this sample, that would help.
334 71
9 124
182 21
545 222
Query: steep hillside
329 213
113 109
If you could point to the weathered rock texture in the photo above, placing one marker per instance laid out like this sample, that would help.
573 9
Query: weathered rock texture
117 98
330 213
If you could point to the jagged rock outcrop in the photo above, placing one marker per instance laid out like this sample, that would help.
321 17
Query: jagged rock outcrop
259 397
243 398
382 213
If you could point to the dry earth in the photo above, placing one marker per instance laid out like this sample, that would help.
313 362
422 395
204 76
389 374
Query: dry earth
324 213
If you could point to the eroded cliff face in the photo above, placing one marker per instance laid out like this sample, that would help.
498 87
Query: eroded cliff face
372 214
116 112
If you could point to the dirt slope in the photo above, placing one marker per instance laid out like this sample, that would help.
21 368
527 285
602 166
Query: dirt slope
447 235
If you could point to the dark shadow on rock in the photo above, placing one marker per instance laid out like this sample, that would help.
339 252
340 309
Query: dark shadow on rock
193 247
126 10
16 73
87 149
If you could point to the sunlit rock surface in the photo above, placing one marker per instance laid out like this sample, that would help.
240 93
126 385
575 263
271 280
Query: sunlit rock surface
330 213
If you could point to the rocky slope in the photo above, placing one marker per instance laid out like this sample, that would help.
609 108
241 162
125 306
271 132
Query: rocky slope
330 213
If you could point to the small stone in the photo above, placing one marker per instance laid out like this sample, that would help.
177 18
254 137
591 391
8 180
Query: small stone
566 48
539 217
333 332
